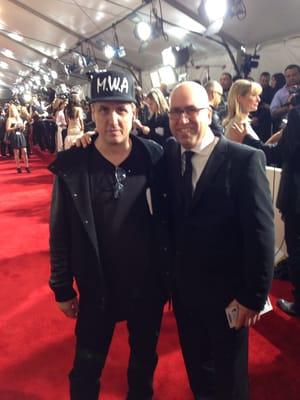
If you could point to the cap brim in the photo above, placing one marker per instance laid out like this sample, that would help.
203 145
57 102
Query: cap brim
112 99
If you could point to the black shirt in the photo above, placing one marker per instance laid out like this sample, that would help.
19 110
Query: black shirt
124 227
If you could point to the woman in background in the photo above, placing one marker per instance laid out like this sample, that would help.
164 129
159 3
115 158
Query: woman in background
15 127
60 120
75 123
157 128
277 81
243 98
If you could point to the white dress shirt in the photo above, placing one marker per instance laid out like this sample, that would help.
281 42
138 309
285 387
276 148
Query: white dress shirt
202 152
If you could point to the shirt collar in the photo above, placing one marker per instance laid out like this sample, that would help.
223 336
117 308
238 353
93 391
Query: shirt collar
203 145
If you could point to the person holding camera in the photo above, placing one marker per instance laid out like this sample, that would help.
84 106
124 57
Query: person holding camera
279 106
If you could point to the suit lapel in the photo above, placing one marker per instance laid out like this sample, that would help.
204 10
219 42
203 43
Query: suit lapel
213 164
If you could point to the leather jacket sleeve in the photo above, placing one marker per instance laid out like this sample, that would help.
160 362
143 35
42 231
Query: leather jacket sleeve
61 277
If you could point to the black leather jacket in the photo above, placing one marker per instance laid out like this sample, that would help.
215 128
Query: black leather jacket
74 246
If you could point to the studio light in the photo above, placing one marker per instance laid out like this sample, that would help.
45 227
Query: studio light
8 53
215 9
212 14
109 52
53 74
27 97
143 31
3 65
16 36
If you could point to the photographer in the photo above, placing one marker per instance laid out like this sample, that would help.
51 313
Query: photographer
279 106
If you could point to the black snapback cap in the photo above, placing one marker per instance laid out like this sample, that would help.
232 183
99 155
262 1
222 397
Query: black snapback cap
112 85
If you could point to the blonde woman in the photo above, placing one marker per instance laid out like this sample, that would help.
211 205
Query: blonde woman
60 119
75 130
157 128
243 98
15 127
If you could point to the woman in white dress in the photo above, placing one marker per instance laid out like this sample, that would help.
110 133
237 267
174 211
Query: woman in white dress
75 130
243 98
59 116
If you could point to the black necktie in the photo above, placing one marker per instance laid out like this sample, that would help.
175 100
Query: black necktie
187 184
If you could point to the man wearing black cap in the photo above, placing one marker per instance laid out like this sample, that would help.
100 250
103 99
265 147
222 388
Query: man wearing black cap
107 226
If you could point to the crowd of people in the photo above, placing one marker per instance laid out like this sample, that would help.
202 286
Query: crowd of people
144 217
52 126
166 202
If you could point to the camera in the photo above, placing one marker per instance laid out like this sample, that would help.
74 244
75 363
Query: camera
295 99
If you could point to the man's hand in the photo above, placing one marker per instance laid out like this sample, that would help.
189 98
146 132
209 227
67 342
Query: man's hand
85 140
69 308
245 316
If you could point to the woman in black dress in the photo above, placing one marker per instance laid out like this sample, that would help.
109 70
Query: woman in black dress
157 127
15 127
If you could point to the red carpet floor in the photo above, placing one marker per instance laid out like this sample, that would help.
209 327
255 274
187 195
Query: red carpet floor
36 341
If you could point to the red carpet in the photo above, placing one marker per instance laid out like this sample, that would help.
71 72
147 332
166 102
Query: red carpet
36 341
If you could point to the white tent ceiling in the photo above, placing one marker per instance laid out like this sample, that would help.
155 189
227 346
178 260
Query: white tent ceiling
60 30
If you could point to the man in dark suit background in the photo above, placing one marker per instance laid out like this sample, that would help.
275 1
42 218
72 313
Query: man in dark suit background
223 226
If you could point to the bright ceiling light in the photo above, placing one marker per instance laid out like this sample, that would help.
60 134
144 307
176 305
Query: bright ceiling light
3 65
16 36
215 9
143 31
53 74
36 65
109 52
63 47
99 16
8 53
27 97
46 78
2 74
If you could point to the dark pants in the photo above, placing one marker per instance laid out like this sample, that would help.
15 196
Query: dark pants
292 239
94 331
215 356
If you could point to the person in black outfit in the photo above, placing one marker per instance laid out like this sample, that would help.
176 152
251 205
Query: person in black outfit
157 128
215 93
224 245
261 120
287 153
108 231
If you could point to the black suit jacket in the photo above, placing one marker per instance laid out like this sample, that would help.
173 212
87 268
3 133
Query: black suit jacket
225 246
